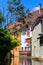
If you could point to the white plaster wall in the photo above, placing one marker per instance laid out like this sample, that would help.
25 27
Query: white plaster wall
41 51
35 41
23 39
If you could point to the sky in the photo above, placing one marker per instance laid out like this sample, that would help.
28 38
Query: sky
31 4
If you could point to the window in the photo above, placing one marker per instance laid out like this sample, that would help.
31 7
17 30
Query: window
23 33
26 26
41 42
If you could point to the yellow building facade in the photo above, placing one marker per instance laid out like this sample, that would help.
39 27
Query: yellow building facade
15 30
15 52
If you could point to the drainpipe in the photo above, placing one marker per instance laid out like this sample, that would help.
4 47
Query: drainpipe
34 50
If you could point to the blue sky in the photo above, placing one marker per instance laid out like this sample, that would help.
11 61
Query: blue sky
3 2
27 3
31 4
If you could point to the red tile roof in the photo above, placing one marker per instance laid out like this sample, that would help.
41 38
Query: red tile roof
32 19
13 27
18 23
15 24
35 15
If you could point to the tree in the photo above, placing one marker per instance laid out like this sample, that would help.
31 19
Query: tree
17 10
7 43
2 18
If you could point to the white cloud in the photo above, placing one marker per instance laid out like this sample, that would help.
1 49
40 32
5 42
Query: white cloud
35 8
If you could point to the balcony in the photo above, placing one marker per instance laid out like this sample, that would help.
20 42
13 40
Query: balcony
25 51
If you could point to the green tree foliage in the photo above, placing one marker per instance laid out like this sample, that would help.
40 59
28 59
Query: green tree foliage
17 10
7 43
2 18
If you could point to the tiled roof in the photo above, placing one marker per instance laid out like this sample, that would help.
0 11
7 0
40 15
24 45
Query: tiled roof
32 19
15 24
35 15
14 27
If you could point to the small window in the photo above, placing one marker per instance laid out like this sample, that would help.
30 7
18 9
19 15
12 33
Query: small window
41 42
26 26
24 33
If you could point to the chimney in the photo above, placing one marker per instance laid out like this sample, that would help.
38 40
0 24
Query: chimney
39 8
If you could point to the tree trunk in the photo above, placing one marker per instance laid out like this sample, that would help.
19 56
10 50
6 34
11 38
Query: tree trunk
7 59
